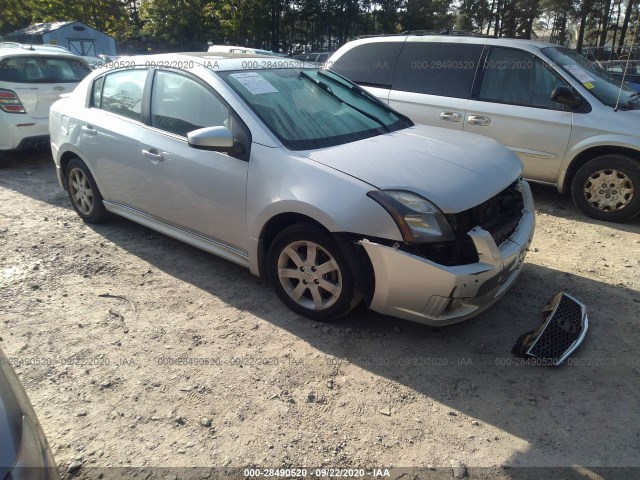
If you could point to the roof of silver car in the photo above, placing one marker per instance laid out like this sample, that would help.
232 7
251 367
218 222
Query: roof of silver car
219 61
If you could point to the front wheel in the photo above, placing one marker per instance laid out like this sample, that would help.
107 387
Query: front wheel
608 188
309 274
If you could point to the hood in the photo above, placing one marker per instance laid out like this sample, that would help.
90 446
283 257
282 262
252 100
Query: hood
452 169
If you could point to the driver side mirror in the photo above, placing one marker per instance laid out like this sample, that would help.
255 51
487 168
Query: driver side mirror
217 139
211 138
565 96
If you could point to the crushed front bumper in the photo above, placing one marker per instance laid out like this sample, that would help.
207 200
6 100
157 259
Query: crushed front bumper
414 288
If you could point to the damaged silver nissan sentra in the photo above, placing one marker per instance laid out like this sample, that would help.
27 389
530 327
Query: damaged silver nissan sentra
301 176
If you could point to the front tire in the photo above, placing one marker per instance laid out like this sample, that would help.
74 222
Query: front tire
83 192
608 188
309 273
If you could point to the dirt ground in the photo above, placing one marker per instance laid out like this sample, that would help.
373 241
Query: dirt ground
139 351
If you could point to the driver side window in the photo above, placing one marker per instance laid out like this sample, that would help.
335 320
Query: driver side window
180 105
517 77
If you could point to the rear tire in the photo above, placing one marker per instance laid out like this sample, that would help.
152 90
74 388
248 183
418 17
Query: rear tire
83 193
608 188
309 273
5 159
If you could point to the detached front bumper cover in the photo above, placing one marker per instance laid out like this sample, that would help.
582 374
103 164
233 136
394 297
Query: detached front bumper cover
559 335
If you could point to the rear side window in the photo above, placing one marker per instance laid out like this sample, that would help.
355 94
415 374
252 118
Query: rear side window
122 93
42 69
445 69
369 64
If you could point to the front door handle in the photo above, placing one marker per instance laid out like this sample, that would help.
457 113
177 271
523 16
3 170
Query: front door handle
479 120
451 116
153 156
89 130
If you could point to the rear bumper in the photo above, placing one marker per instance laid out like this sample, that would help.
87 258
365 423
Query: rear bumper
414 288
21 131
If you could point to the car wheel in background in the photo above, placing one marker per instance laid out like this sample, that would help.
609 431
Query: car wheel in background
83 192
608 188
5 159
309 273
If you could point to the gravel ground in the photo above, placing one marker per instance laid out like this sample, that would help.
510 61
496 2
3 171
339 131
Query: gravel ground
139 351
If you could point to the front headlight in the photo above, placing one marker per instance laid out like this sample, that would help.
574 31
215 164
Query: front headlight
418 219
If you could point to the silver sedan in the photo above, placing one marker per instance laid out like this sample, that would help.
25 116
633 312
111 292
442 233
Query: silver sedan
302 177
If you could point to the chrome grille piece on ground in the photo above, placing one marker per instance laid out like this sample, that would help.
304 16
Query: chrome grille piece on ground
559 335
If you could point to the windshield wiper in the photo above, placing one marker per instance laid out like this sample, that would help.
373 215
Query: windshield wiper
363 93
328 89
631 101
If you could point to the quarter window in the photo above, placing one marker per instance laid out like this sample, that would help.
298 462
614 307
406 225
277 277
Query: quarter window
435 68
180 105
122 93
519 78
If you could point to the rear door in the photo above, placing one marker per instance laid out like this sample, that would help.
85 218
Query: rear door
39 80
109 135
433 81
513 105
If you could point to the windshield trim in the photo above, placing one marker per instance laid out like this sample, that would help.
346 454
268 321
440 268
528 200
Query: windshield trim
318 143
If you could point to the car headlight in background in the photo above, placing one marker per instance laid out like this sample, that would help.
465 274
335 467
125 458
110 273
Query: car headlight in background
418 219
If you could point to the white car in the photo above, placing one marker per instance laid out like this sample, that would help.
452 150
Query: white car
30 81
302 177
571 123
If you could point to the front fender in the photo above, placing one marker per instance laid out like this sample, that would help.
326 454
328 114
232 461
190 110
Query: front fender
620 141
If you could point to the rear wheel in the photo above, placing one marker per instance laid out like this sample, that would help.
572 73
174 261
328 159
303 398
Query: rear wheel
5 160
608 188
83 192
309 274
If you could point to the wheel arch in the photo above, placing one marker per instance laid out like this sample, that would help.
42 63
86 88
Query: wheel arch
589 154
357 259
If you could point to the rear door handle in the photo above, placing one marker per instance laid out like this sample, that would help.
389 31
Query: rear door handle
89 130
153 156
479 120
451 116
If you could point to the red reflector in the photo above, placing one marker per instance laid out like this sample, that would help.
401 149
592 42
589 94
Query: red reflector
7 94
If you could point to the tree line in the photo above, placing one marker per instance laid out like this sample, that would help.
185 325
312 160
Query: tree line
318 25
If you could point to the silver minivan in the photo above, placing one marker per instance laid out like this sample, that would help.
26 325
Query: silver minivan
571 124
302 177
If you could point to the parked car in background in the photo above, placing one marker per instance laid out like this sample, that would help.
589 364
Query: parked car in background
30 81
317 58
238 49
572 125
24 451
302 177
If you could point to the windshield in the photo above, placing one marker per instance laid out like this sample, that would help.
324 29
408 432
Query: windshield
601 85
308 109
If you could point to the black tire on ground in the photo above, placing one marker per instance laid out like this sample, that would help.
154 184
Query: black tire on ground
5 159
608 188
309 273
83 192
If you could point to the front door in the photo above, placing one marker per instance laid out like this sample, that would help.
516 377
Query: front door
202 191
